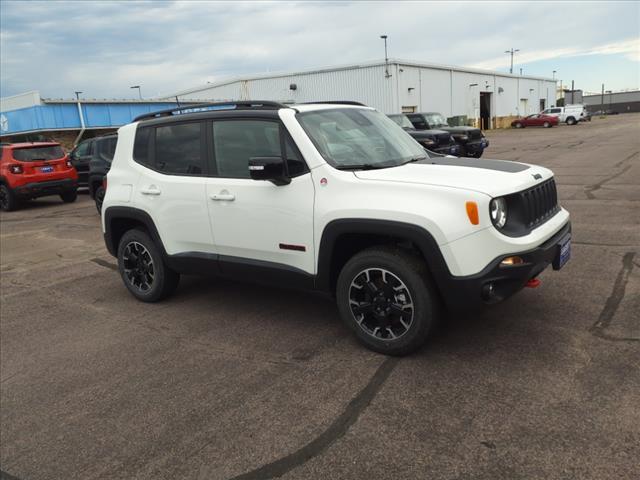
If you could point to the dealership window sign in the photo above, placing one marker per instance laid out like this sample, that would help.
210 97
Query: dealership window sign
4 123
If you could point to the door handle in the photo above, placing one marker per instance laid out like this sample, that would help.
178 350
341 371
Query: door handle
229 197
152 190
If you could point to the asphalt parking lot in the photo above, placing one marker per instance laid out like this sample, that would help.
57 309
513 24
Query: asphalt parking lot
227 380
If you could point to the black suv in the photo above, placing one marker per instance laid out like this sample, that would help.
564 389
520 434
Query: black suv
470 140
437 141
92 159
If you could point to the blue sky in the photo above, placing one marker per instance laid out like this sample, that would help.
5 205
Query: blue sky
102 48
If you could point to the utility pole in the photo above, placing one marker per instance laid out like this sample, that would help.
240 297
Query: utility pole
511 52
573 92
386 57
602 101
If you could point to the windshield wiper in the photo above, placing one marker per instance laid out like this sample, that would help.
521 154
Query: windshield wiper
415 159
363 166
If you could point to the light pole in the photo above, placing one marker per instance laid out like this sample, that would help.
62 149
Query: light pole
511 52
554 74
139 90
77 95
386 57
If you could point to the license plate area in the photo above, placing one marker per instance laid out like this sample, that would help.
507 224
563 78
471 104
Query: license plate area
47 169
563 252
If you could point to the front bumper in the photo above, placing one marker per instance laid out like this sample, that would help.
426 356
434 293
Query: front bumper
495 283
42 189
475 146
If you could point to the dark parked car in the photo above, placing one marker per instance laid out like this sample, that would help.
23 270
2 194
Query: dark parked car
92 159
470 140
536 120
437 141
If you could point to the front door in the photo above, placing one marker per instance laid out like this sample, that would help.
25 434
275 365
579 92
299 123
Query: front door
254 222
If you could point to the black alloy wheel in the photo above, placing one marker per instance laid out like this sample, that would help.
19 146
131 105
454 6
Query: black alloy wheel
138 266
381 304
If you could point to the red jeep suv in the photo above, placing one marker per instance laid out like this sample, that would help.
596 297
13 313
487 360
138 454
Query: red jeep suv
31 170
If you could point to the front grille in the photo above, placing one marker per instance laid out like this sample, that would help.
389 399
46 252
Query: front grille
444 139
540 203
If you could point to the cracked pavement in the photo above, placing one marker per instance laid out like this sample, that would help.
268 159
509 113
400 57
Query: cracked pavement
228 380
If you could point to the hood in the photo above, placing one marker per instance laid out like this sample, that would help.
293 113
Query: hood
461 129
491 177
426 133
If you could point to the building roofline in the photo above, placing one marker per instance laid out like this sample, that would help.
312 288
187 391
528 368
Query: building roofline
376 63
21 94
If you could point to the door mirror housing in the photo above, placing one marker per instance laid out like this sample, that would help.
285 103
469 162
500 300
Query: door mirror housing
269 168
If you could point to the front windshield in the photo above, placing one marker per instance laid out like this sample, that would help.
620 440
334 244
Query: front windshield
403 121
353 138
436 120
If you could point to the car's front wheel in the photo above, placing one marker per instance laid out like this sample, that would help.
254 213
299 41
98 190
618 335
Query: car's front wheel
8 200
142 268
385 297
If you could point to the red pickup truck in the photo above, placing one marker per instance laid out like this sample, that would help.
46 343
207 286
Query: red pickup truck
31 170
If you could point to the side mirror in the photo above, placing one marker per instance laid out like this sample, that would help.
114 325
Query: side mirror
268 168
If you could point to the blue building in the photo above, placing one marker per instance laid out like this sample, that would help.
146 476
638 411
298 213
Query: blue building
28 117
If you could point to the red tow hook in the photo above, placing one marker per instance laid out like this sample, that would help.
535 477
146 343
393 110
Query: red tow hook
533 283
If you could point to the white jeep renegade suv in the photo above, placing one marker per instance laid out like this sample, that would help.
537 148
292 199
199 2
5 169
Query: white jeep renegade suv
331 197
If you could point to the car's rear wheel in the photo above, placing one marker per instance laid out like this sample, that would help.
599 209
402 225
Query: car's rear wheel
571 121
546 125
69 196
142 268
99 198
8 200
385 297
518 125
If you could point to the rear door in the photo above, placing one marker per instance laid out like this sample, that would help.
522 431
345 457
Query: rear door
171 185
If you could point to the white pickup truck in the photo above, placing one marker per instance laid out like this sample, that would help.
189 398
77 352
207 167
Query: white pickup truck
569 114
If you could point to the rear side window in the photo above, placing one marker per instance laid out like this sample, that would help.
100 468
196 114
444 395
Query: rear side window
34 154
141 146
83 149
556 110
178 149
106 148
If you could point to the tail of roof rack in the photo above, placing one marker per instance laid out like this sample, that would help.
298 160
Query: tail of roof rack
335 102
206 107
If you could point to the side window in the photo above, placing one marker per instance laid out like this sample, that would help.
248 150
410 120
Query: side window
418 122
178 149
556 110
106 148
236 141
141 146
83 149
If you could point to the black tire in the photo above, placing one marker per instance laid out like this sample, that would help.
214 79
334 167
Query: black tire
159 279
477 154
571 121
99 198
519 125
407 280
546 125
69 196
8 200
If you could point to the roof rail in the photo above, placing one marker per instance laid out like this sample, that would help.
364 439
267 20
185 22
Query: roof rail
335 102
207 107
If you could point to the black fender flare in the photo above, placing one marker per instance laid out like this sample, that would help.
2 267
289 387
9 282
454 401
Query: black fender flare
112 214
405 231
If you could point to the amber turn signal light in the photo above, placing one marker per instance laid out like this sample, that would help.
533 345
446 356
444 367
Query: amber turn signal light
472 213
511 261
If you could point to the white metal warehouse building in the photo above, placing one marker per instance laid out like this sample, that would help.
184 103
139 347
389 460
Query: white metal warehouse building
491 99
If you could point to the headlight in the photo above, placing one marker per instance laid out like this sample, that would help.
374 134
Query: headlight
428 141
498 212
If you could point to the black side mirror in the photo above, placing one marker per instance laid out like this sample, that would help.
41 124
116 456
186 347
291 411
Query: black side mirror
268 168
